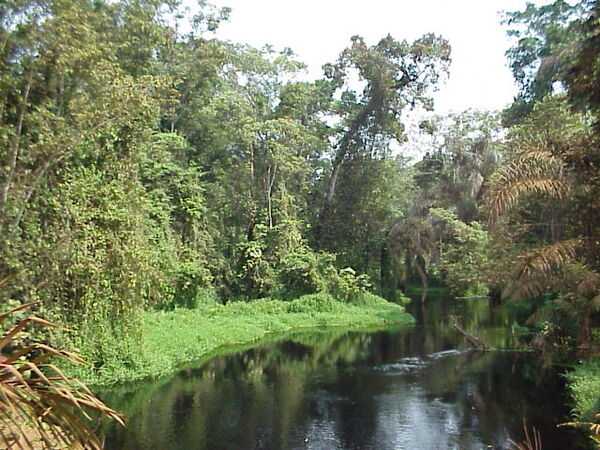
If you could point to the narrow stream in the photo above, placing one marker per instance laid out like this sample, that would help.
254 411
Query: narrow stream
417 388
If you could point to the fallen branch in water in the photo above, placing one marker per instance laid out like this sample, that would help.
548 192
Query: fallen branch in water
473 297
474 341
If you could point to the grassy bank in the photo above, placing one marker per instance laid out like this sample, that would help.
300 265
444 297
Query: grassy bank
175 338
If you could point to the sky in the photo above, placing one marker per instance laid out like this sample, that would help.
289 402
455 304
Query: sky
318 30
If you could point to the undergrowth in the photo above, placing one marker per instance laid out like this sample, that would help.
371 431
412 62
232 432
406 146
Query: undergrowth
584 387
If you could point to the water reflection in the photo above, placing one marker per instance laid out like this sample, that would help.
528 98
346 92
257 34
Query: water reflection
418 388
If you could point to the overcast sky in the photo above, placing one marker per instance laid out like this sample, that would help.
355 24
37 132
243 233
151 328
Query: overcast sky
317 30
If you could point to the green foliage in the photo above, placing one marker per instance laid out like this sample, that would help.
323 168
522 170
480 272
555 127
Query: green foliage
363 188
546 39
104 266
316 303
143 168
464 254
306 272
541 197
190 282
584 386
349 286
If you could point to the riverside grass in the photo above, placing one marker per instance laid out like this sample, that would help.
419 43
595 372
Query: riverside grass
173 339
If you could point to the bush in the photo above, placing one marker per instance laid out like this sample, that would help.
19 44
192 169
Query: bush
315 303
191 281
401 298
464 255
305 272
348 286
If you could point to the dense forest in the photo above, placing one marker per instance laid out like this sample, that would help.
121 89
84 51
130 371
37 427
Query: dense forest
148 167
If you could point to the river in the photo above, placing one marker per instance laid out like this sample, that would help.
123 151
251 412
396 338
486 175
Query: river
413 388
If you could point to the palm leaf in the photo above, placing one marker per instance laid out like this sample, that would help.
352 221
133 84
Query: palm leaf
533 440
549 258
39 404
537 270
534 171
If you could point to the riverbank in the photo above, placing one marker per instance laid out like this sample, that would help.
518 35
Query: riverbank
173 339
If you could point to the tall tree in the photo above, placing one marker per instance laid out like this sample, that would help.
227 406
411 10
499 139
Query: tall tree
394 75
546 38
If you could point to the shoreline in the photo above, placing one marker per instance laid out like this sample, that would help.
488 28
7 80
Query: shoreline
174 340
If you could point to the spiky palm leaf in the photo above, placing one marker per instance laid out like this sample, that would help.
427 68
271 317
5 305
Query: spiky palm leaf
533 440
548 258
40 407
591 428
534 171
537 269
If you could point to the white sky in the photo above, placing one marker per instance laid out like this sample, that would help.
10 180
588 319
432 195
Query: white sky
318 30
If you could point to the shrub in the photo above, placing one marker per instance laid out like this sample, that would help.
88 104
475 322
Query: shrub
314 303
305 272
464 254
348 286
191 280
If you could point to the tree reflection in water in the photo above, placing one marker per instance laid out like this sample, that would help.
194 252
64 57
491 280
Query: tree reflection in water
399 389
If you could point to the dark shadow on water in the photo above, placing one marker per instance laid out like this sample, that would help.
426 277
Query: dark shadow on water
419 388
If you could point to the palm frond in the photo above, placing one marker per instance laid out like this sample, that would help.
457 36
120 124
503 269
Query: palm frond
538 270
591 428
39 405
534 171
549 258
533 439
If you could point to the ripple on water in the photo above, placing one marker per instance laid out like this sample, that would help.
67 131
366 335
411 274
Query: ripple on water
402 366
445 354
414 363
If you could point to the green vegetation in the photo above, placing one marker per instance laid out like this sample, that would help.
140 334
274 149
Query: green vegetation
584 384
584 387
183 336
142 166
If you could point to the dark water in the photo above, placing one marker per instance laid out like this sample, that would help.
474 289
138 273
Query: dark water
417 388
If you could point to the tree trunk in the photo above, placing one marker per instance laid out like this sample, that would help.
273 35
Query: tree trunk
384 268
270 183
343 150
495 295
585 335
38 176
424 281
15 144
